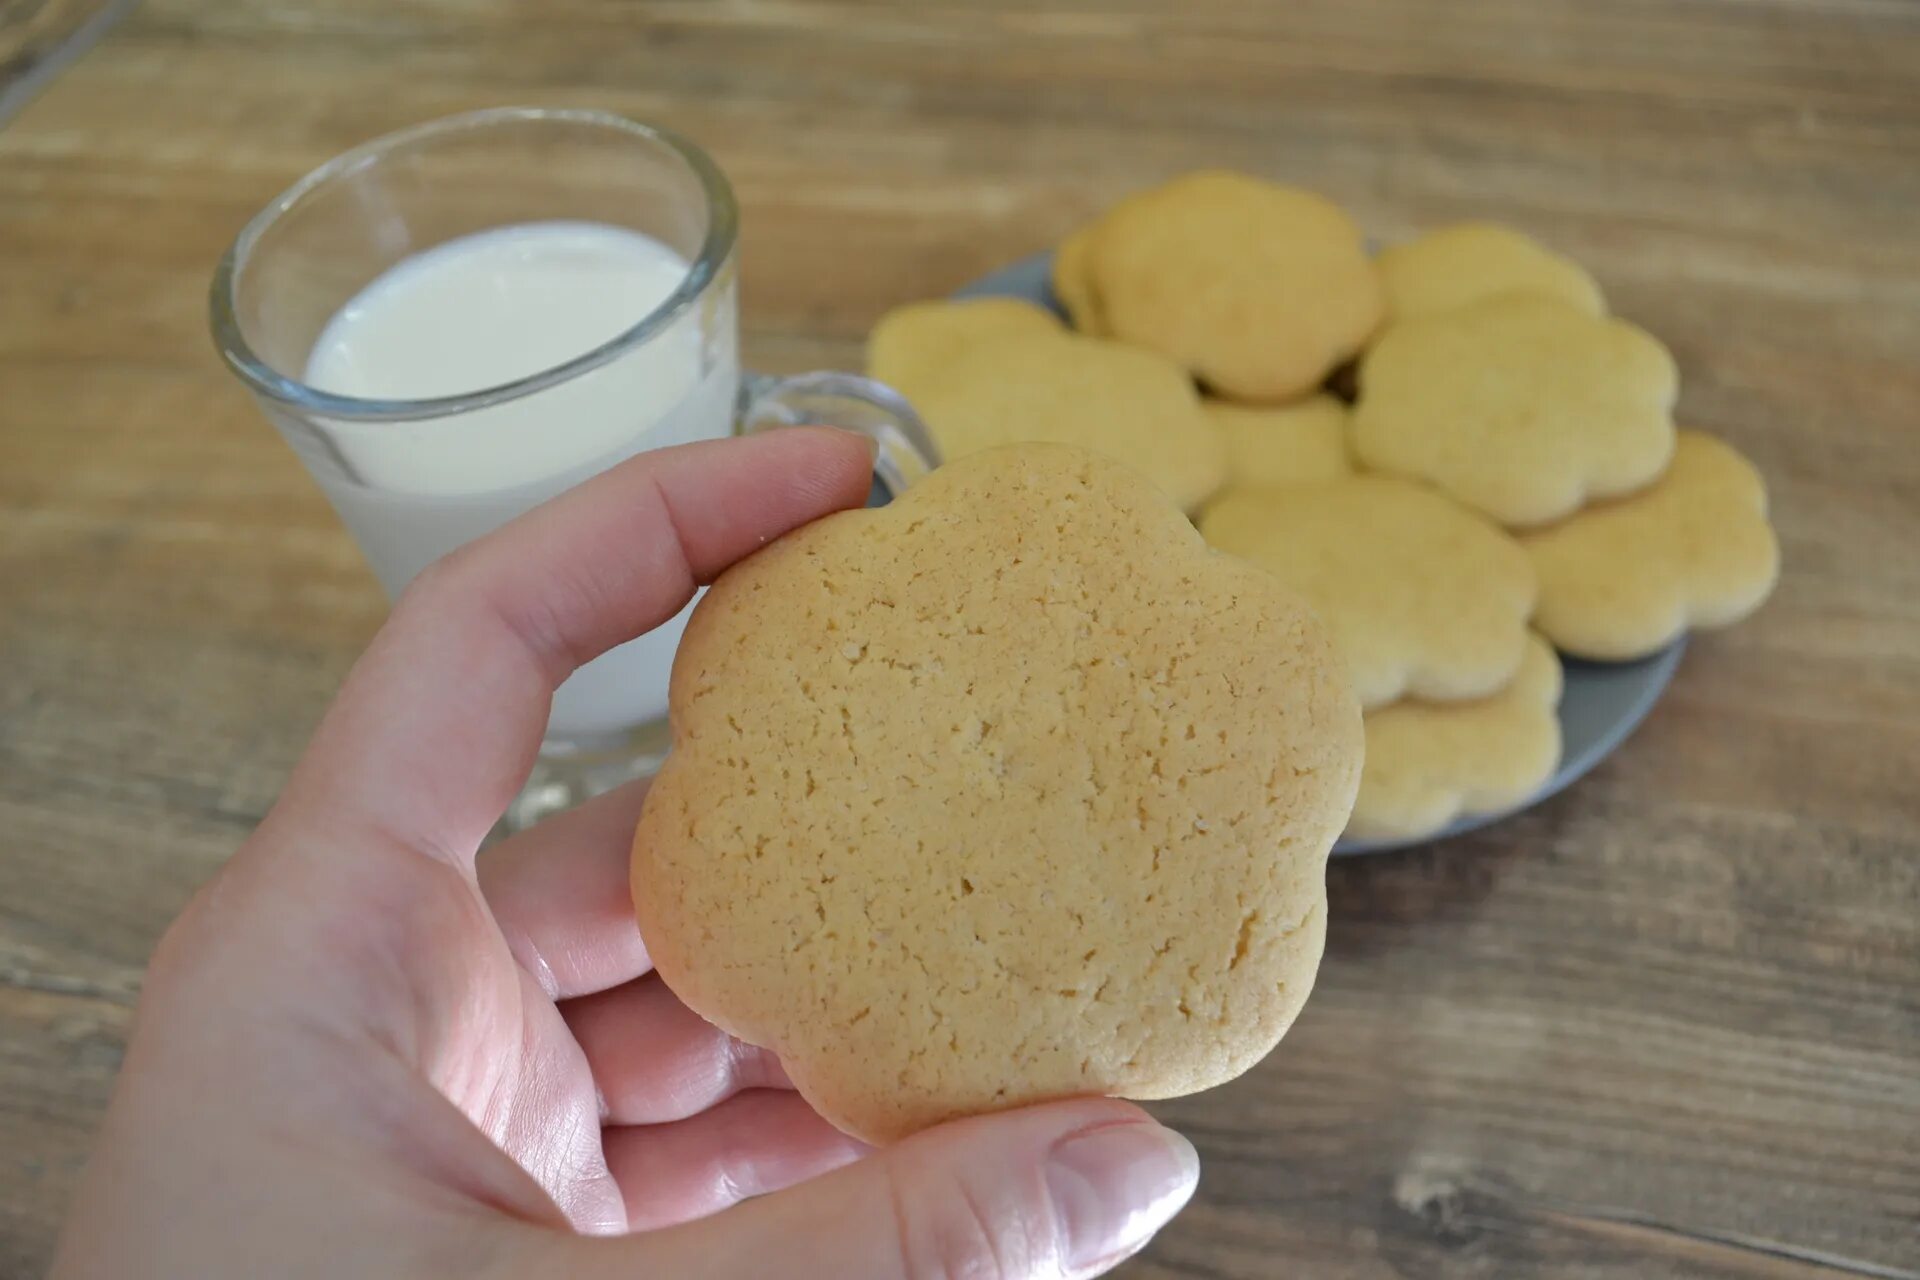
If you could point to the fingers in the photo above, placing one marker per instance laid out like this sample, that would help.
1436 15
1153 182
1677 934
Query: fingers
748 1146
655 1060
440 720
1070 1187
562 897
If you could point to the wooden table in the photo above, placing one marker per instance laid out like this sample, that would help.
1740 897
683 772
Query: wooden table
1668 1024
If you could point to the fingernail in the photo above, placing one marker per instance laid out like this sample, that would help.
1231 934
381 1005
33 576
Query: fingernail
872 442
1114 1186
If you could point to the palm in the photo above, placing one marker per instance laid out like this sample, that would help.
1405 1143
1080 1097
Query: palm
525 1001
509 1062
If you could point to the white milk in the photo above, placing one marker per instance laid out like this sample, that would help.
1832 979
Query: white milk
487 309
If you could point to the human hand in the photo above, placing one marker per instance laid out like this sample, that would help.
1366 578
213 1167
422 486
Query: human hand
362 1050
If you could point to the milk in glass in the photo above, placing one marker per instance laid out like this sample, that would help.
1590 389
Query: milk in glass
487 309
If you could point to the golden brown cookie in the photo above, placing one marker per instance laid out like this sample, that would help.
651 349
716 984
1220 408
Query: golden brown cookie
1521 407
910 342
1425 598
1010 790
1133 406
1072 280
1431 762
1258 289
1285 445
1623 579
1469 261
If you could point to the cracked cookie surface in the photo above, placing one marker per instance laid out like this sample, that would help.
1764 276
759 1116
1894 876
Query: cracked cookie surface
1011 790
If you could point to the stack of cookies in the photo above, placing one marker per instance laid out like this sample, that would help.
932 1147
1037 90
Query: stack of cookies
1502 484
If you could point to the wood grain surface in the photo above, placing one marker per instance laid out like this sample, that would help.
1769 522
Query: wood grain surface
1665 1025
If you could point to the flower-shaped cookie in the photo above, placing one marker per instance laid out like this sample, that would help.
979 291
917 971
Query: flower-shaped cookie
1431 762
1623 579
1258 289
1071 274
1425 598
1072 279
1282 446
1469 261
1134 406
909 342
1007 791
1522 407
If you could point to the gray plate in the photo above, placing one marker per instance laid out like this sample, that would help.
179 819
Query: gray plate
1603 703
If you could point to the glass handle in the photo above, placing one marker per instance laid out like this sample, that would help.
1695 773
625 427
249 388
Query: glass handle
906 452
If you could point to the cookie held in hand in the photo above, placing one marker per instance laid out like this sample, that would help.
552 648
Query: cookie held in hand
1008 791
1623 579
1430 762
1425 598
1521 407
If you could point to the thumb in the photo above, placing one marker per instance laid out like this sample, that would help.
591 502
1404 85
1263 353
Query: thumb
1069 1188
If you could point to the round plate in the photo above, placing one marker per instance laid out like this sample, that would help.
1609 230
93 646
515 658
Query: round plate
1603 702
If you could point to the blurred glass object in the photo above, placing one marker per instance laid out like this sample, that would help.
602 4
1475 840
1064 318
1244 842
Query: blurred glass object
40 37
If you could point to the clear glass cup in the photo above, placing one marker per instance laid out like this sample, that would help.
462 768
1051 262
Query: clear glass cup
414 478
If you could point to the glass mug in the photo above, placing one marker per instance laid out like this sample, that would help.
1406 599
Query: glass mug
414 477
